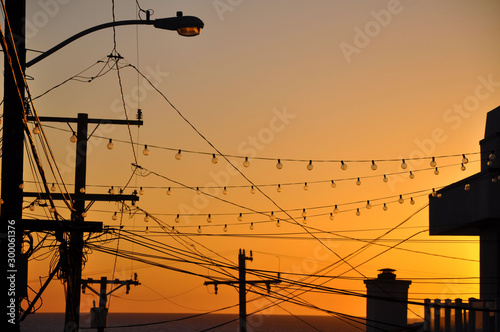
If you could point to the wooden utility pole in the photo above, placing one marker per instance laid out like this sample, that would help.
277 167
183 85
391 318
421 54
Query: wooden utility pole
242 286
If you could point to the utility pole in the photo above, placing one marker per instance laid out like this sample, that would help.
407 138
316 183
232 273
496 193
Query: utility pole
12 163
99 315
242 282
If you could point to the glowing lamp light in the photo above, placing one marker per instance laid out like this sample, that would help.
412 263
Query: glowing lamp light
404 165
246 163
279 165
310 166
146 151
374 166
187 26
73 138
110 144
178 155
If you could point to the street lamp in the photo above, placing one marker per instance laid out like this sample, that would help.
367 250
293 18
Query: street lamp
187 26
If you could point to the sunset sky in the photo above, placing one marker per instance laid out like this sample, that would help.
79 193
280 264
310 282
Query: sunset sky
299 81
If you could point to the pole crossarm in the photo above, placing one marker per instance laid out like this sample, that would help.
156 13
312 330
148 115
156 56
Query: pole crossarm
87 282
237 282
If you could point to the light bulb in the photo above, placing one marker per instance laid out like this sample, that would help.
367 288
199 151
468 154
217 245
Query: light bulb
209 218
493 179
385 179
358 213
336 210
199 229
412 176
225 228
368 205
1 201
147 230
304 220
278 223
145 151
434 193
52 210
169 192
333 185
146 218
358 182
198 191
310 165
21 186
251 226
492 155
467 186
401 200
489 162
279 189
304 213
178 155
110 144
114 217
272 216
36 130
173 230
464 159
141 191
240 217
82 190
73 138
331 216
214 159
252 190
343 166
84 214
404 165
177 219
111 190
440 195
374 166
225 191
433 162
53 188
246 163
32 207
412 201
279 165
385 207
462 167
436 171
306 187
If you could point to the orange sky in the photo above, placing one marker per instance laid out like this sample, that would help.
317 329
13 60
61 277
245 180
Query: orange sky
317 80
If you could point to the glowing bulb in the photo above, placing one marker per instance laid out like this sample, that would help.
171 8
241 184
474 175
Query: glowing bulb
279 189
494 179
401 200
73 138
225 191
141 191
279 165
147 230
278 223
82 190
111 190
214 159
53 188
198 191
146 218
32 207
36 130
464 159
343 166
84 214
178 155
467 186
114 217
304 220
412 201
272 215
385 207
110 144
310 165
251 226
333 185
385 179
492 155
358 213
434 193
368 205
331 216
252 190
21 186
436 171
358 182
145 151
225 228
173 230
404 165
169 192
199 229
462 167
336 210
306 187
246 163
209 219
304 213
433 162
177 219
489 162
374 166
412 176
240 217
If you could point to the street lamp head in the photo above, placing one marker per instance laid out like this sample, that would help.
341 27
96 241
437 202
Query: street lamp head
187 26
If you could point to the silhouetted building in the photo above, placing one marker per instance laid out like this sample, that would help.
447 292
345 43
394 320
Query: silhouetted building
386 303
